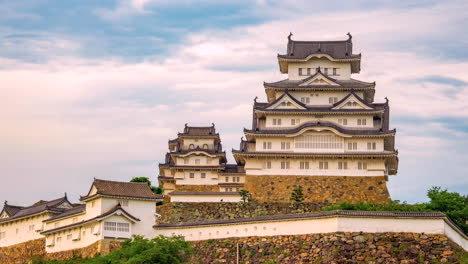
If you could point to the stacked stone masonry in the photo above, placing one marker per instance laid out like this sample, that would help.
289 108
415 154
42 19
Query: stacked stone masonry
330 248
24 252
196 212
318 189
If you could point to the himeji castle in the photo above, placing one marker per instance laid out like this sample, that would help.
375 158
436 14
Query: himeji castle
319 129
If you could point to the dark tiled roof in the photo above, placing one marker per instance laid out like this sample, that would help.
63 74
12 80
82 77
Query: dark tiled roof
109 212
233 168
373 214
123 189
11 210
319 124
230 184
199 131
39 207
351 84
342 49
75 210
175 193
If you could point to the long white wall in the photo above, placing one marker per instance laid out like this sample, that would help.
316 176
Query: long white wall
317 225
22 230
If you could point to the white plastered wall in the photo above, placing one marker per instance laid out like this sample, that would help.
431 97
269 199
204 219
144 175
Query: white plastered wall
18 231
352 120
197 142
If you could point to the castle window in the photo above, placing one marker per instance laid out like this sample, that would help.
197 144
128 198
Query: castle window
371 145
277 121
205 146
267 164
69 237
266 145
323 165
192 175
301 71
309 71
334 71
197 161
285 165
59 239
123 227
332 100
304 165
227 179
191 146
305 100
362 165
342 165
352 145
203 175
285 145
238 179
325 71
318 142
186 161
343 121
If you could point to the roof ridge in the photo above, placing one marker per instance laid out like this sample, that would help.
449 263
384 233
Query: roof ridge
119 181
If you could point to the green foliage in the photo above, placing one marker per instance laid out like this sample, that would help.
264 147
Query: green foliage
156 190
245 195
453 204
160 250
297 195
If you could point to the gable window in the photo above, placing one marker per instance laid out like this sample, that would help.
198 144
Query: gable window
285 145
203 175
332 100
304 165
205 146
323 165
191 146
334 71
192 175
362 165
285 165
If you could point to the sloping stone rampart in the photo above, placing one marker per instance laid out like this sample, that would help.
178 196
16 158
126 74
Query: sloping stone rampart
21 253
24 252
195 212
327 248
318 189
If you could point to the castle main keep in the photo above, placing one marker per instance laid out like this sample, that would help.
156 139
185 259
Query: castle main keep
319 129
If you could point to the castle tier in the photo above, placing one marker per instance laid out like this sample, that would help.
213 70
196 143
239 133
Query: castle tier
195 169
321 124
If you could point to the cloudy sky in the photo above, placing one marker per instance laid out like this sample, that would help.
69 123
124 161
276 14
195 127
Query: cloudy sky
96 88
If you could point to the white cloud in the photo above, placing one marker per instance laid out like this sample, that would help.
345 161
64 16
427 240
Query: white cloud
75 118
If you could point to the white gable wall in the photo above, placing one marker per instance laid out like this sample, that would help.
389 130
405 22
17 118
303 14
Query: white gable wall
344 68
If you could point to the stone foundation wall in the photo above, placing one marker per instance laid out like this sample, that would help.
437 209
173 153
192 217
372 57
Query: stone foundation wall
21 253
331 248
195 212
24 252
197 188
318 189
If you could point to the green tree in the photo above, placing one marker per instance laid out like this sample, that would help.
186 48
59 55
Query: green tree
453 204
245 195
155 189
297 195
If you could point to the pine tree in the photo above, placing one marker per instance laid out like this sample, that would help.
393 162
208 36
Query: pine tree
297 195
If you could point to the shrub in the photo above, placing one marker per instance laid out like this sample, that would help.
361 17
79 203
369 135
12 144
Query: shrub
297 195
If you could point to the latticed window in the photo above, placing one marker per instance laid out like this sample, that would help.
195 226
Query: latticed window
342 165
304 165
203 175
110 226
285 165
362 165
267 164
318 142
285 145
323 165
